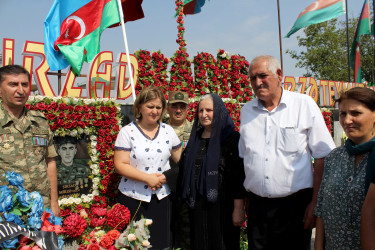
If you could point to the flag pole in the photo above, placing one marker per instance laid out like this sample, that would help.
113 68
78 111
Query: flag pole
347 37
281 48
126 47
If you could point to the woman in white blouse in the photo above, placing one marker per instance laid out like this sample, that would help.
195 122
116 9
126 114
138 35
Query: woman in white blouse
142 152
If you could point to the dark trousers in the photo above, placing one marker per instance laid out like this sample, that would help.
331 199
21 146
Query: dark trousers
277 223
159 211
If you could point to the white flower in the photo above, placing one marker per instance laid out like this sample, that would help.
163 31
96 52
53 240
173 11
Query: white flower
95 180
39 98
93 144
95 171
95 192
93 137
87 101
118 108
70 200
148 222
93 151
77 201
94 166
94 158
132 237
73 133
145 243
74 100
86 131
80 130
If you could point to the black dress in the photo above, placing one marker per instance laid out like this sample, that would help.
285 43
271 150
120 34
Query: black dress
211 224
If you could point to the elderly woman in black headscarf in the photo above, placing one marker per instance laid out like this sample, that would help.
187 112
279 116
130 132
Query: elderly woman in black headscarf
212 176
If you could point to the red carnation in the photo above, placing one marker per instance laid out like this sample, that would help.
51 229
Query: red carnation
118 216
74 225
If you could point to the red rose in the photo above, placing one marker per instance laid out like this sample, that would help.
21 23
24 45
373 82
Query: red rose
70 108
114 234
67 125
93 109
51 116
93 247
81 124
28 106
63 106
106 241
74 124
78 108
40 106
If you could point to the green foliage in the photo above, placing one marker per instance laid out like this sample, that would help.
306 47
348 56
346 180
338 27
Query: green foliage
324 54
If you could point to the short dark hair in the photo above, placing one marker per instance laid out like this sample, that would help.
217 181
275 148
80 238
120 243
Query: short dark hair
365 96
13 70
147 94
60 140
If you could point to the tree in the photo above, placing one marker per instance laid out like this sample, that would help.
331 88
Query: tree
325 54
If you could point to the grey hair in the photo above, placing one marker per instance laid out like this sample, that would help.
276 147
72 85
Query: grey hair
206 96
273 63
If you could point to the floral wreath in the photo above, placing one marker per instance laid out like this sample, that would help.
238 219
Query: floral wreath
99 120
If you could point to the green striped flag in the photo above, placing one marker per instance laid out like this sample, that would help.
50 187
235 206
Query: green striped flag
317 12
363 28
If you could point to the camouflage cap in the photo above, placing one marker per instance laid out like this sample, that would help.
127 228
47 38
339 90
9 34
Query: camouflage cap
178 96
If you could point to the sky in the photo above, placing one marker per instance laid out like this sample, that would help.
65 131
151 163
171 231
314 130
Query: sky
245 27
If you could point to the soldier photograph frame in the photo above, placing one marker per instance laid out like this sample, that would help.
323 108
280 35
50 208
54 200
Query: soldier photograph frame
73 168
95 123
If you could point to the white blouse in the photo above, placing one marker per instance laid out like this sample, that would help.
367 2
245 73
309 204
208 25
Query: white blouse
147 155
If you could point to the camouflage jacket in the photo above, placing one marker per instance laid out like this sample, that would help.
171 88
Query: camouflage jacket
183 132
25 144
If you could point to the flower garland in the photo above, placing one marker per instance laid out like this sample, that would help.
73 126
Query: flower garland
238 77
206 65
100 121
223 65
180 73
327 115
152 70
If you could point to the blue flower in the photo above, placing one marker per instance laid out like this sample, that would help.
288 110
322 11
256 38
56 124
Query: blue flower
35 222
9 243
53 219
60 242
37 208
15 179
13 218
6 199
23 197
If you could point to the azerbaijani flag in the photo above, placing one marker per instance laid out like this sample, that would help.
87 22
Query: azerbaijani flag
363 28
317 12
193 6
72 31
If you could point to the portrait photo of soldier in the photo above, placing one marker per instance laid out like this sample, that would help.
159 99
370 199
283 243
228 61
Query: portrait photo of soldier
72 171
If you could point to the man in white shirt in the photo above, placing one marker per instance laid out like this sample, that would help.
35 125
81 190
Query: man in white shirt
280 133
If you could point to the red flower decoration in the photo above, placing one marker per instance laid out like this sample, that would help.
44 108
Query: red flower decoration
74 225
118 217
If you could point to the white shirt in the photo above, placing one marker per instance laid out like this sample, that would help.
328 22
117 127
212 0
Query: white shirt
150 156
277 145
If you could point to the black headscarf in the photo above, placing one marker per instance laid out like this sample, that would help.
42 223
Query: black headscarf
222 127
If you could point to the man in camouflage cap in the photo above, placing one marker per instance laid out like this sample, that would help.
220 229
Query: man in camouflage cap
177 108
26 141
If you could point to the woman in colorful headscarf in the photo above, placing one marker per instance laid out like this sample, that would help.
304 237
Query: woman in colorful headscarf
348 171
212 178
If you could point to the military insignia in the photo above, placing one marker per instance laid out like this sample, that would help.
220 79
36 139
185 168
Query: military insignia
40 141
179 96
6 146
4 138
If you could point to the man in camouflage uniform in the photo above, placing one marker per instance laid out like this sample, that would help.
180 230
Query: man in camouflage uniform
177 108
26 141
